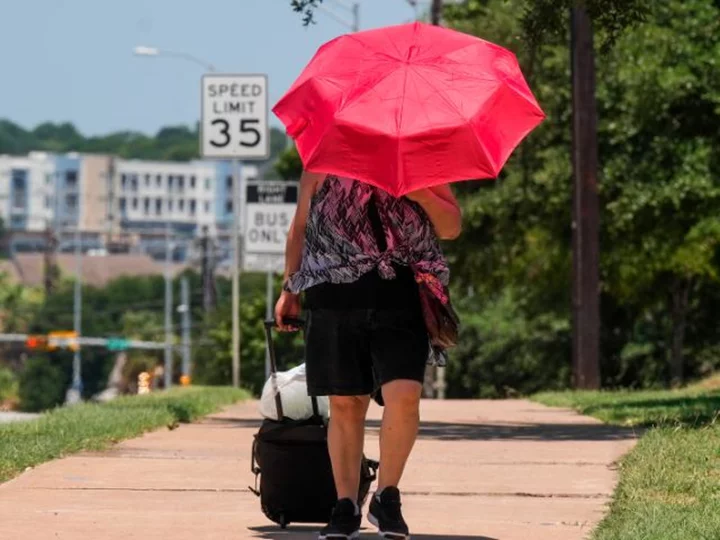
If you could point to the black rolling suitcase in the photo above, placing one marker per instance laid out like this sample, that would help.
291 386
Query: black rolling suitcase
290 461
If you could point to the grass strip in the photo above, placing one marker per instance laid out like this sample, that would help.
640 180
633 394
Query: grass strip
88 426
669 485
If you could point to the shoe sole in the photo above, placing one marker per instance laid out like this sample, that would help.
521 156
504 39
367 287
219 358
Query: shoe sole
353 536
388 535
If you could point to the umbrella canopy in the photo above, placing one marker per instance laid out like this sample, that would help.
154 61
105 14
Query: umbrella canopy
408 107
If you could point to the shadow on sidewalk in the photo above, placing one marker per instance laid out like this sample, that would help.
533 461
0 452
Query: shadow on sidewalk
306 532
444 431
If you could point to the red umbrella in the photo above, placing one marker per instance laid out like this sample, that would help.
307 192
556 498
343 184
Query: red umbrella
408 107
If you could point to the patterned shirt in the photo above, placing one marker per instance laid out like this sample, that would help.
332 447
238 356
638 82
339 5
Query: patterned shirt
341 246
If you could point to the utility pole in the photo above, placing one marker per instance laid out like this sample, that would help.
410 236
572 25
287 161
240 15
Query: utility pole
586 206
51 242
236 249
356 17
75 393
436 9
49 259
207 271
185 299
168 369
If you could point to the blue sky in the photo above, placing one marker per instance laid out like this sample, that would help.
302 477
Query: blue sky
71 60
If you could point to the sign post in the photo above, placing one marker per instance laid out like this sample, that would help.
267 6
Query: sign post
269 210
234 126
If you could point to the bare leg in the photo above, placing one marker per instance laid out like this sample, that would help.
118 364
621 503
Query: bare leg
346 435
400 423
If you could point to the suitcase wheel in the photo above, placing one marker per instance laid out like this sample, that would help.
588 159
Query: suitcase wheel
283 523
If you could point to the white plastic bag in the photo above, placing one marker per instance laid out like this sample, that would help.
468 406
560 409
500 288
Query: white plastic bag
292 386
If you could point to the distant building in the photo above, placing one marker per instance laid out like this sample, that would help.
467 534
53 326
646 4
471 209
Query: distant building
118 205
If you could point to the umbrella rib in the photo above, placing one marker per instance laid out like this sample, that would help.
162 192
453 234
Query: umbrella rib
351 101
455 107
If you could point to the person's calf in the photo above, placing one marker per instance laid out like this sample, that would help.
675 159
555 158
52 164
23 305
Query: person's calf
401 419
346 434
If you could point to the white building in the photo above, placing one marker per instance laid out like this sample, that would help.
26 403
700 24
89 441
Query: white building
117 204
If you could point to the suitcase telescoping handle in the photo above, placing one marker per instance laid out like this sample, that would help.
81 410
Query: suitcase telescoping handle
270 325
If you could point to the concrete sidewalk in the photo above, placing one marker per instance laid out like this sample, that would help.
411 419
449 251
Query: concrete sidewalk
482 470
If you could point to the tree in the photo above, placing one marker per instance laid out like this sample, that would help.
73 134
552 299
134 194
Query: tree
289 165
173 143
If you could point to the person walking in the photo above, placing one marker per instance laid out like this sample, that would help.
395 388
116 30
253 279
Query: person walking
356 252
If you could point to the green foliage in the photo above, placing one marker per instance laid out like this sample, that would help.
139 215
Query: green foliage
213 364
174 143
289 165
659 109
8 385
42 385
504 352
307 8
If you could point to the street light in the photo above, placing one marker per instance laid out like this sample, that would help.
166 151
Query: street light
142 50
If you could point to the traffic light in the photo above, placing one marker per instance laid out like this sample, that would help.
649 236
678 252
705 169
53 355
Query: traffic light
36 343
63 340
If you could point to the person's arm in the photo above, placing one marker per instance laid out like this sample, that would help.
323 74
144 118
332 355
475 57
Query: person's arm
288 305
296 234
442 208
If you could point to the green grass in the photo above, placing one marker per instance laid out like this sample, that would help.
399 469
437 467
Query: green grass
669 485
94 427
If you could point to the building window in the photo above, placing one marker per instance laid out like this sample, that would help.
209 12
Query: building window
181 182
48 201
181 205
228 207
19 189
208 184
123 205
48 178
192 182
170 206
252 179
158 206
207 207
146 204
134 182
192 207
229 182
171 181
158 180
147 180
71 179
71 201
123 181
134 204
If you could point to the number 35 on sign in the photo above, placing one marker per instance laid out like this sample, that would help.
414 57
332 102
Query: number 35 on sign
235 117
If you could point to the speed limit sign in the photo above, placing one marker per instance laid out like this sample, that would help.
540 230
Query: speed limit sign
235 117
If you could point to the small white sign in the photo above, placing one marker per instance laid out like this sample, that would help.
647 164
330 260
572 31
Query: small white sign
235 117
255 262
269 211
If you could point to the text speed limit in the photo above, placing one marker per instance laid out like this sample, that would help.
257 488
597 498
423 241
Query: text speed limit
235 117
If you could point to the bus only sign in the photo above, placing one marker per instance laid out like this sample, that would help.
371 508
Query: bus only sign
270 208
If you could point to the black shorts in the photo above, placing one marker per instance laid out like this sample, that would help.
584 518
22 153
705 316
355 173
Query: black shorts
363 335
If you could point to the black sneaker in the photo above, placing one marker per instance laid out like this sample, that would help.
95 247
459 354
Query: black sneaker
385 514
344 523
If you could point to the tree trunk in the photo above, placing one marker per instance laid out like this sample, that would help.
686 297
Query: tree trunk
680 301
436 9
